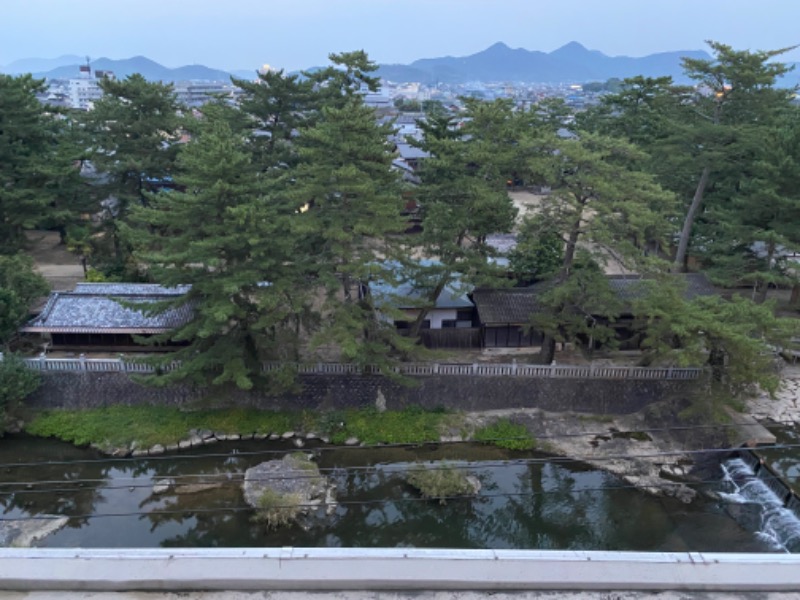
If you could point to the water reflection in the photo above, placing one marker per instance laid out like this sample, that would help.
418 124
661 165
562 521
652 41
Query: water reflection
521 505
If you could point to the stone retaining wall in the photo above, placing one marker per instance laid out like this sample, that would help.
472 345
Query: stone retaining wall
321 392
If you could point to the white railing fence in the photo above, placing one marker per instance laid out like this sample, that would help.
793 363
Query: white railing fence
44 363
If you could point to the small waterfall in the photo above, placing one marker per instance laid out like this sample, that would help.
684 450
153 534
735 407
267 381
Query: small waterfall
750 459
775 485
777 524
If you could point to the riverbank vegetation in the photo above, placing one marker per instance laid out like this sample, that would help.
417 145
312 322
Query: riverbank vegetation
145 426
286 215
440 481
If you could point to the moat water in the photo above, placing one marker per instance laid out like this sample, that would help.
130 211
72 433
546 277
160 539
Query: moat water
527 501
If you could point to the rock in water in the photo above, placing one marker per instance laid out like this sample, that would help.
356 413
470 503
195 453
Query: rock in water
22 534
294 484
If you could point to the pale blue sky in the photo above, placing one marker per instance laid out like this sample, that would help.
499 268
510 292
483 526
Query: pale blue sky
296 34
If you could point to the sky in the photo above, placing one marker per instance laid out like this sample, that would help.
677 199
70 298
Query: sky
295 34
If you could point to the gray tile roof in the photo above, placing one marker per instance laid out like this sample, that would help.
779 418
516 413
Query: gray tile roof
130 289
98 308
630 287
407 151
516 305
406 295
507 306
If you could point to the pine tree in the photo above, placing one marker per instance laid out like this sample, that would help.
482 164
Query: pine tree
736 103
27 150
135 126
600 204
272 110
464 198
235 247
350 203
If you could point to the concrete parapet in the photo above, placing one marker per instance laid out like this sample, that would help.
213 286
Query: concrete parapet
238 569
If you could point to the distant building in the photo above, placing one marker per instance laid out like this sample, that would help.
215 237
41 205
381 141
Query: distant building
197 93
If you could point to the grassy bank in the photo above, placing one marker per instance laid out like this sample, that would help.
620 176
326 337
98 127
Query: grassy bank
121 426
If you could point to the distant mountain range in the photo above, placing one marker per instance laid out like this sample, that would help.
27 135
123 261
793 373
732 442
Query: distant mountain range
572 63
66 67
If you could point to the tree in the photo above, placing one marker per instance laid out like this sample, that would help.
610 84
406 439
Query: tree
733 339
464 199
350 203
27 151
538 254
736 102
745 239
235 247
599 203
579 308
273 109
17 382
20 286
136 126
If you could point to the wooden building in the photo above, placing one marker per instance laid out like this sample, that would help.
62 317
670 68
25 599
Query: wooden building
102 317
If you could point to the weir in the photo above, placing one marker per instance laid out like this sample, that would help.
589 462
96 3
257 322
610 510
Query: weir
779 486
754 482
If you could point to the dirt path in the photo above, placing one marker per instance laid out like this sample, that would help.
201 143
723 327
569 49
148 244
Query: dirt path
53 261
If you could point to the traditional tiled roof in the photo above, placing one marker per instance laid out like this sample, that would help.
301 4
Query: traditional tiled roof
632 287
405 295
516 305
409 294
100 308
130 289
512 306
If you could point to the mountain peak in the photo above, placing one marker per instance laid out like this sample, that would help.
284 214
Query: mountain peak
571 48
498 47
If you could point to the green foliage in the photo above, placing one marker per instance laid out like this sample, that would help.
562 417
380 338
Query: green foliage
539 253
464 199
233 245
734 338
148 425
407 426
134 129
406 105
506 434
353 199
439 481
613 85
581 308
276 510
17 382
272 110
28 157
20 285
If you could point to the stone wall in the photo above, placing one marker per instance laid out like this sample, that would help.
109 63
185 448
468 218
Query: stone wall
469 393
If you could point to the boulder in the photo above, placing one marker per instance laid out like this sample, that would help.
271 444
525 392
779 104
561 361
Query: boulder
287 490
22 534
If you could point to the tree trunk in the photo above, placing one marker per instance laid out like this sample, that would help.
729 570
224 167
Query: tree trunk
794 300
423 312
569 252
548 352
697 200
762 292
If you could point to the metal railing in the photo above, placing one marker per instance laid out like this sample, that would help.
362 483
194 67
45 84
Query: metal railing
97 365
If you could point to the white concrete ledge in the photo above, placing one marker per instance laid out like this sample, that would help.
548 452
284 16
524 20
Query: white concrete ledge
390 569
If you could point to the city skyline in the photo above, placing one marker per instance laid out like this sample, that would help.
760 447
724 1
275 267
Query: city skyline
244 34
